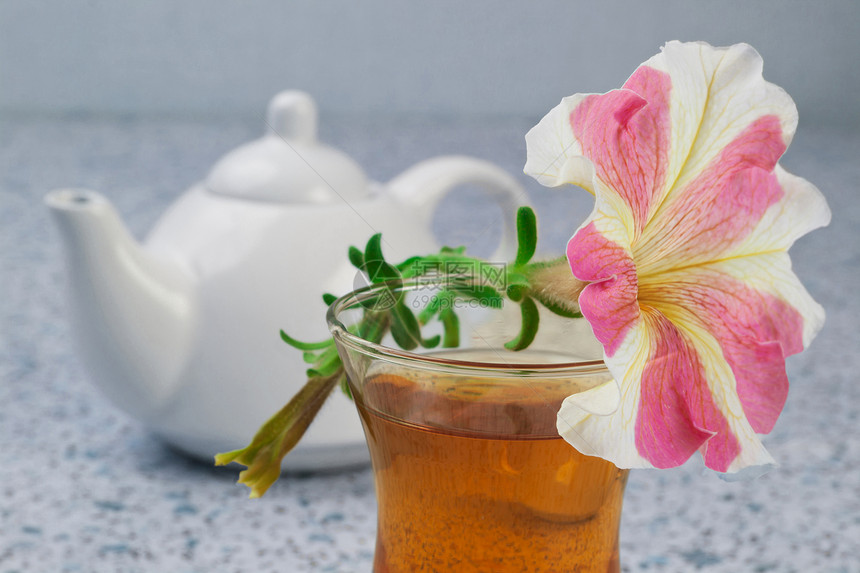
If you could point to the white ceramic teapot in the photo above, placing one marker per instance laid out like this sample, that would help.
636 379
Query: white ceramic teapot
183 331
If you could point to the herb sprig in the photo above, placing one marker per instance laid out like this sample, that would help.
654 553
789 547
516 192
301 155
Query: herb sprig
525 283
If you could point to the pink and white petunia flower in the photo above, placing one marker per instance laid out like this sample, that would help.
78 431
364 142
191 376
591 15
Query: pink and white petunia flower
690 288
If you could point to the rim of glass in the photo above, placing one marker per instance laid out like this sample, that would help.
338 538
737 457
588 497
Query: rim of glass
399 356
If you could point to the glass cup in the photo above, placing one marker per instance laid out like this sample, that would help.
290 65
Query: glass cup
470 472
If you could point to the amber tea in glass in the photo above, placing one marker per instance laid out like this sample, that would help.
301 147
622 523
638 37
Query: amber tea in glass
470 472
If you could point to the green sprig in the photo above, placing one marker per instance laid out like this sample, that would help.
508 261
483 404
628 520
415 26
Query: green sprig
518 284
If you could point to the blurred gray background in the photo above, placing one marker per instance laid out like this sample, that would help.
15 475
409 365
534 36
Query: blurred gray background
138 100
204 57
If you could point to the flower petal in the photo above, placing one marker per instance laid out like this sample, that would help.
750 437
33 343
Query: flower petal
677 413
801 209
719 208
691 290
611 436
554 156
609 302
717 94
691 109
676 398
753 329
625 133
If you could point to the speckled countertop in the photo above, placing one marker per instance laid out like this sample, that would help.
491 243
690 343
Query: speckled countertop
85 488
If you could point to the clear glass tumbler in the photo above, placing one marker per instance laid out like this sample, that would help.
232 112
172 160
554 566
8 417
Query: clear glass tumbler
470 472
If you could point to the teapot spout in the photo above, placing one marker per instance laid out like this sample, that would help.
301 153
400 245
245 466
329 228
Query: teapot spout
131 312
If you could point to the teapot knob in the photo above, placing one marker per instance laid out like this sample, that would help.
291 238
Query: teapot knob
292 115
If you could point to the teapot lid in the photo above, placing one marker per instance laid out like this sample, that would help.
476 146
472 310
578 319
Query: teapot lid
288 164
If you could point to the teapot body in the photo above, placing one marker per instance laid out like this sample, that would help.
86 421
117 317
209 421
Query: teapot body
261 268
182 332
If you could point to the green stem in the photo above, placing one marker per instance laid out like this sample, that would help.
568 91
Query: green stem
280 434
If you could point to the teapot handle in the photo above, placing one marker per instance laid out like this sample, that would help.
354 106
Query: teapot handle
424 185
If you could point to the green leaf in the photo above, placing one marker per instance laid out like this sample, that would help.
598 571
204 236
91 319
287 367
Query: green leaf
379 271
529 326
409 267
279 435
451 328
431 342
373 249
428 312
373 326
404 327
328 298
356 257
330 360
405 314
375 265
526 235
305 345
433 307
310 357
402 337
